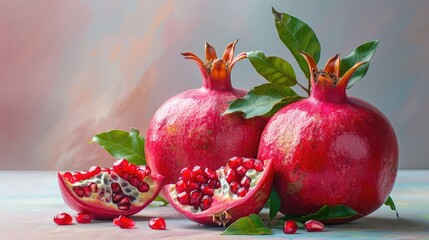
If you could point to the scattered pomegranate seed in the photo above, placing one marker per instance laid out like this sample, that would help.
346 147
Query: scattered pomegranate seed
290 227
63 219
314 226
157 223
83 217
124 222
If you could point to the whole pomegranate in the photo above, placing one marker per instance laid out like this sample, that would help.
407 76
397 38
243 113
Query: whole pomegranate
190 129
330 149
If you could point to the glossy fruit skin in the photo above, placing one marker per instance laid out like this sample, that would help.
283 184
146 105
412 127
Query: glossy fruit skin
225 209
63 219
96 205
157 223
190 129
330 149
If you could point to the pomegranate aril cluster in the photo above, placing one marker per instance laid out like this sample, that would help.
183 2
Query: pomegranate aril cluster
108 185
196 187
235 174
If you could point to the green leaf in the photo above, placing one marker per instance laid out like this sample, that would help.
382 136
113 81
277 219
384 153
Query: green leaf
274 69
250 225
274 203
363 53
263 100
326 213
389 202
297 36
122 144
159 201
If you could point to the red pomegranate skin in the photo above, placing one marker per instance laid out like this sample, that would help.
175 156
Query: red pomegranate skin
190 130
331 149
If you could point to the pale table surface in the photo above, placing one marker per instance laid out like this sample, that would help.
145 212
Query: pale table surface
29 200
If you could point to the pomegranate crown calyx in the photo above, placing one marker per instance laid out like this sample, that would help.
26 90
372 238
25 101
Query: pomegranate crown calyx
214 67
330 75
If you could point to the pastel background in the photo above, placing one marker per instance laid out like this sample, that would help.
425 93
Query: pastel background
70 69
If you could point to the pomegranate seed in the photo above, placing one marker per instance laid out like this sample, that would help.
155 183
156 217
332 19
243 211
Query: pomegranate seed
235 162
214 183
124 204
234 186
245 181
69 177
141 173
134 181
248 163
107 196
124 222
63 219
290 227
84 175
146 169
108 170
242 192
157 223
93 186
197 171
230 175
132 169
116 221
180 186
314 226
86 191
183 198
258 165
116 197
210 173
78 190
200 179
116 187
94 170
120 165
241 171
206 202
193 186
187 174
83 217
124 175
144 187
206 190
195 197
77 176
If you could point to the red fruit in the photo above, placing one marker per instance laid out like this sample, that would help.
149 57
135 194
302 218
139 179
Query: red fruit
124 222
190 129
63 219
157 223
83 217
330 149
121 190
314 226
225 202
290 227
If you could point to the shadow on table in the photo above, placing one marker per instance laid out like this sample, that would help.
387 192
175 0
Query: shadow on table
382 224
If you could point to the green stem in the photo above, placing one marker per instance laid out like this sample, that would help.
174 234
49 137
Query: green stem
307 90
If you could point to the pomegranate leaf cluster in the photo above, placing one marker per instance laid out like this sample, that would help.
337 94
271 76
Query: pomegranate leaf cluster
122 144
326 213
268 98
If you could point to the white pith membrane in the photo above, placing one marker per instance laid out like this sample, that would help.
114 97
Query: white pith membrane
104 181
222 194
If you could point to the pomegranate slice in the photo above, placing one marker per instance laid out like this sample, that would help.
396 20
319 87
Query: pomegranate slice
220 197
124 189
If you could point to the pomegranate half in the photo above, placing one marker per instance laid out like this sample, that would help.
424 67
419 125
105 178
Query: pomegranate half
330 149
220 197
105 193
190 130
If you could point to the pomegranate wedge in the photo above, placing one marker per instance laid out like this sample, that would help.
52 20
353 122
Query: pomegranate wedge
220 197
124 189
